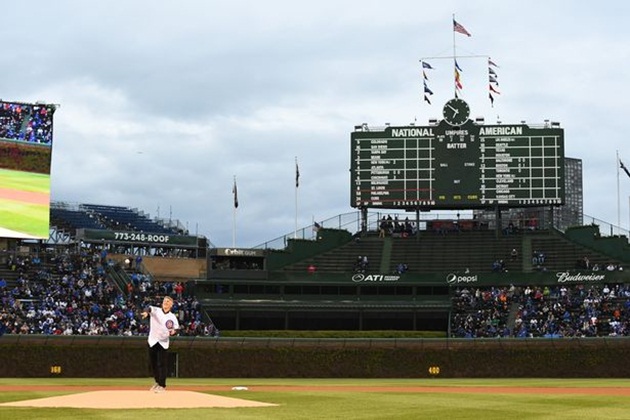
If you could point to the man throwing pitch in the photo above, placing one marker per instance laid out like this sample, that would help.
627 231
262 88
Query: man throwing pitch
163 325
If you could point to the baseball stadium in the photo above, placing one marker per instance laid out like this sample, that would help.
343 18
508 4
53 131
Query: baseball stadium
467 269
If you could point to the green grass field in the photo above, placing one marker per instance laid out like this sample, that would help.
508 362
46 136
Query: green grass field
343 404
21 214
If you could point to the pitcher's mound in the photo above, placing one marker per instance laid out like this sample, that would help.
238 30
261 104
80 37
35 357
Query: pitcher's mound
139 399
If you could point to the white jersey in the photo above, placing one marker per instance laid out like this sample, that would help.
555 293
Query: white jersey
160 327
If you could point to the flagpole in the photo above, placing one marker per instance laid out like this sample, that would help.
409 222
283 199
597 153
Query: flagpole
234 191
617 164
454 58
618 199
297 184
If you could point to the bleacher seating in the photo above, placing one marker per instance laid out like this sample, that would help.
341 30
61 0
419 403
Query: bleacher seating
74 219
96 216
431 252
474 250
124 218
560 253
344 258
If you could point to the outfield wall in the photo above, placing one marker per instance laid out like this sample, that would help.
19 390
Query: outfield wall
194 357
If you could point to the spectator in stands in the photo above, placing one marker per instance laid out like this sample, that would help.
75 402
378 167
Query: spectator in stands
402 268
361 264
583 263
408 227
179 290
509 229
139 262
382 228
498 266
538 260
398 227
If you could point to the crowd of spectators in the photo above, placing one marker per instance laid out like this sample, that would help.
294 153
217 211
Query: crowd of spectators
389 226
581 310
71 294
26 122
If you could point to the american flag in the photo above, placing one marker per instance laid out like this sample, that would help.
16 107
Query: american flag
459 28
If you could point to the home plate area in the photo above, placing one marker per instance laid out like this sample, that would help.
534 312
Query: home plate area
139 399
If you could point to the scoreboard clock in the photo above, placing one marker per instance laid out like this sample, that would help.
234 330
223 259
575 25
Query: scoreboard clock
456 112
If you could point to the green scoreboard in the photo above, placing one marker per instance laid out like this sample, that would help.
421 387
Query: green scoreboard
457 165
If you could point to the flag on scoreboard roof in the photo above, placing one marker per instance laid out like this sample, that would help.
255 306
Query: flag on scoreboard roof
622 166
427 90
235 192
460 29
492 79
457 66
297 174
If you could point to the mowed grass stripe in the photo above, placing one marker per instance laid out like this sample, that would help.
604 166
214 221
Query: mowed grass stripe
18 215
314 404
32 219
24 181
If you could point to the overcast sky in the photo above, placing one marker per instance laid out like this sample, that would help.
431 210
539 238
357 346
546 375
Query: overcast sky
162 102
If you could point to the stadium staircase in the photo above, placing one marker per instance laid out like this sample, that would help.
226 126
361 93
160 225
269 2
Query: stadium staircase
10 276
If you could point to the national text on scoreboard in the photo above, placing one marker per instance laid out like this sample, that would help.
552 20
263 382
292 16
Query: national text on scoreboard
463 167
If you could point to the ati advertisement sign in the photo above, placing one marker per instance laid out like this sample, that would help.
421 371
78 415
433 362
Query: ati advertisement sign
374 278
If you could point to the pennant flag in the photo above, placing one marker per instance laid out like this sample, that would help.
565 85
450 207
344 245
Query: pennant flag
493 90
624 168
427 99
235 192
424 75
491 99
492 71
458 81
297 174
491 63
459 28
493 80
427 90
426 65
457 66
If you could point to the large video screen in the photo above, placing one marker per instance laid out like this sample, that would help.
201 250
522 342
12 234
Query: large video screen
26 139
464 167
